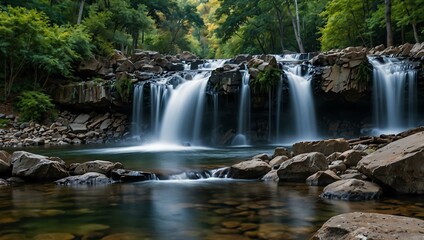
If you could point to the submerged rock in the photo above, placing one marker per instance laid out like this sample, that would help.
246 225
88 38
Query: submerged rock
352 190
398 166
302 166
37 167
358 225
123 175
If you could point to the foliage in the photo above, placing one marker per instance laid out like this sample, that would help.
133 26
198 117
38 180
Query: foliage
124 87
4 122
266 80
30 42
35 106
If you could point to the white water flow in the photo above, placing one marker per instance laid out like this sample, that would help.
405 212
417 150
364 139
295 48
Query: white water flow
278 110
243 126
182 119
137 116
394 87
215 118
302 103
159 94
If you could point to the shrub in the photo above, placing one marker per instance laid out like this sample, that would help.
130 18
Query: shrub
266 80
4 123
35 106
124 88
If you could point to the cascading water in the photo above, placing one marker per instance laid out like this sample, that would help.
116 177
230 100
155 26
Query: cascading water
138 109
215 118
182 119
302 103
243 125
278 110
395 97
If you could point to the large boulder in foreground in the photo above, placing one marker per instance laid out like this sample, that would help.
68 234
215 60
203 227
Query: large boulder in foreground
398 166
326 147
300 167
352 190
37 167
358 225
251 169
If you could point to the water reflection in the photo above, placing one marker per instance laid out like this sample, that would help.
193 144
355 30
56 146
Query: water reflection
206 209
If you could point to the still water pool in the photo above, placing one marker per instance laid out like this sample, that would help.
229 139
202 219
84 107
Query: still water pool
175 209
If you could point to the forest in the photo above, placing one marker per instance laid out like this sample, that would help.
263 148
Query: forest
46 38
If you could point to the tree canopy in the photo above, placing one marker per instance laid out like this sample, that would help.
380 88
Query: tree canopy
50 37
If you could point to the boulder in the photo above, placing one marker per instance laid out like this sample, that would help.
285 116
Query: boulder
358 225
251 169
37 167
262 156
398 166
300 167
325 147
278 160
281 151
98 166
271 176
338 166
352 190
123 175
352 157
90 178
322 178
126 66
78 127
3 182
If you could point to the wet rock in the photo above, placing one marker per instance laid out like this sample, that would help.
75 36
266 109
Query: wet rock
3 182
326 147
271 176
82 118
37 167
123 175
231 224
302 166
352 190
322 178
98 166
398 166
105 124
357 225
273 231
251 169
90 178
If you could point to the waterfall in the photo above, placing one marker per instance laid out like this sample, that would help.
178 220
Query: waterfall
182 119
215 118
138 108
243 125
302 103
394 92
278 110
159 93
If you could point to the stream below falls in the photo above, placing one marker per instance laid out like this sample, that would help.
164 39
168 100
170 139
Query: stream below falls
175 209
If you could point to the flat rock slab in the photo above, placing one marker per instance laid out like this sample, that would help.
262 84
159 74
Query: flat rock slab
398 166
358 225
90 178
78 127
352 190
326 147
82 118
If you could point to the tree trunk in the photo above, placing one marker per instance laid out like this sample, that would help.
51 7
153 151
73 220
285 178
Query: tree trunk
416 35
296 26
388 15
80 12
